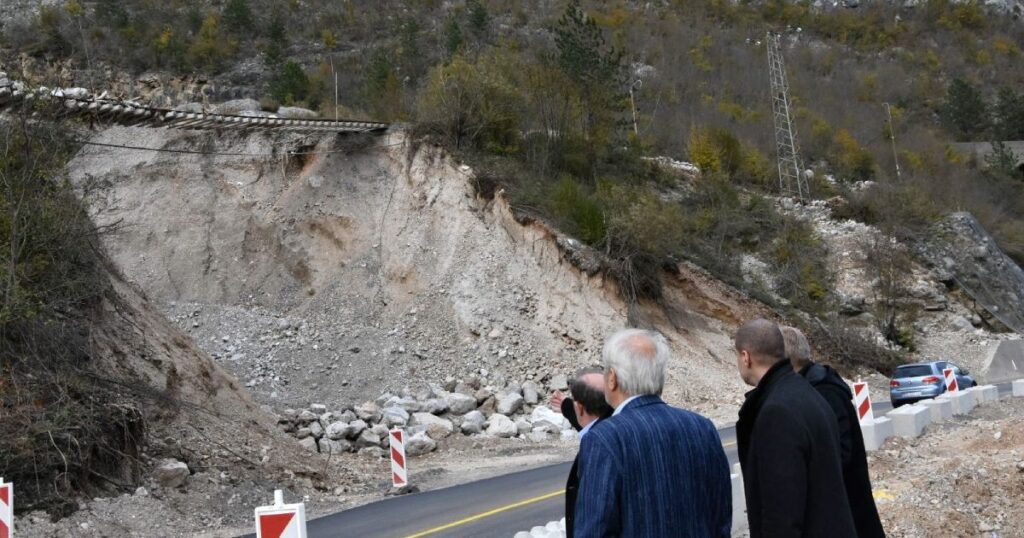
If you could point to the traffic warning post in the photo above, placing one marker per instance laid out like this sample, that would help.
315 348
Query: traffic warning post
399 472
950 379
862 401
6 510
281 520
875 431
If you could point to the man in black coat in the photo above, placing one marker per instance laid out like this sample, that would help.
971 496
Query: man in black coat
788 445
587 407
854 457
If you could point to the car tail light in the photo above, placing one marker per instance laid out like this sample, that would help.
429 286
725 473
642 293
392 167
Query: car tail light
931 380
893 384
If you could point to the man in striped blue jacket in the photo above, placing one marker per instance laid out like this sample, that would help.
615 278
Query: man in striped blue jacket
650 470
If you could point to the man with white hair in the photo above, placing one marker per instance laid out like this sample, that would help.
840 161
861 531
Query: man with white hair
650 470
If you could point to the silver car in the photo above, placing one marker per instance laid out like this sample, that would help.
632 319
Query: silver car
915 382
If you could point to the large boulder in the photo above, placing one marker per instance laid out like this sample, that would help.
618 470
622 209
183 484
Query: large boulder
332 446
309 443
523 426
237 106
171 473
316 430
395 416
419 444
552 421
409 404
368 411
460 404
367 438
559 382
436 427
473 422
339 430
531 393
357 426
509 403
306 417
294 112
489 407
501 426
435 406
189 107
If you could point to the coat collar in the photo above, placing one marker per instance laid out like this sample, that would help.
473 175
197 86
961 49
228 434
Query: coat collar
641 401
752 405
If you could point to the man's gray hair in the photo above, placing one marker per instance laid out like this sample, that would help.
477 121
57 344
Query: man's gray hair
639 358
798 351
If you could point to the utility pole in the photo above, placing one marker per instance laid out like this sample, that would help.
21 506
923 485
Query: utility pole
791 177
636 85
335 73
892 137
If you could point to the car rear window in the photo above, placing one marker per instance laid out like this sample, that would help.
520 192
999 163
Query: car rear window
913 371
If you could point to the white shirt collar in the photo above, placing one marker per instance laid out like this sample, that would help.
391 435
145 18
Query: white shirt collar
586 429
624 404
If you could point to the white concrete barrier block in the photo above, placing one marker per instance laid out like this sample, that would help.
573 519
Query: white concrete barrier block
941 410
909 420
963 402
984 394
1018 388
739 504
876 432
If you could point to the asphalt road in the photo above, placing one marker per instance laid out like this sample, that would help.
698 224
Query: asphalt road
494 507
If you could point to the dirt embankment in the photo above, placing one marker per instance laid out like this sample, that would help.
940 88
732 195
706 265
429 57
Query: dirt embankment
962 478
344 270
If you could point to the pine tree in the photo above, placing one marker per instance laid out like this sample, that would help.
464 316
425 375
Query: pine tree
479 21
583 53
1009 115
965 112
453 39
238 19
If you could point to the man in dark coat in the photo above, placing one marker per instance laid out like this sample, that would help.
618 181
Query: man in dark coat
788 445
837 393
651 470
588 408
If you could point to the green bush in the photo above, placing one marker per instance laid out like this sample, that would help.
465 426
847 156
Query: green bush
472 104
579 211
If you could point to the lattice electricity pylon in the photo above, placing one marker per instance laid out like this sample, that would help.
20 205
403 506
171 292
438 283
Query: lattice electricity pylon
791 178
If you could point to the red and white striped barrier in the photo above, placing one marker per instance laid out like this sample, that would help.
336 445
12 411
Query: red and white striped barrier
862 401
399 474
6 510
951 385
281 520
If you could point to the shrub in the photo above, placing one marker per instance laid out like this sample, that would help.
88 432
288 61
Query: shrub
63 429
290 85
579 211
472 104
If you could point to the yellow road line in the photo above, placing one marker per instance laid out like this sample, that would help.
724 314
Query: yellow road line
488 513
501 509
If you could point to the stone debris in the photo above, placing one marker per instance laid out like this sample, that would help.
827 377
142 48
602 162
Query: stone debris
171 473
434 412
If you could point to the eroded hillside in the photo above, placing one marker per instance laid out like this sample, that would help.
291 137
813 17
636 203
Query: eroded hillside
334 270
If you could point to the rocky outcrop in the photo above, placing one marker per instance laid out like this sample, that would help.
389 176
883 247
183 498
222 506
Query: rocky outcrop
962 253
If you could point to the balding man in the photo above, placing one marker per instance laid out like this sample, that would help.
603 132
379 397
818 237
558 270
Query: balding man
650 470
788 445
837 393
589 408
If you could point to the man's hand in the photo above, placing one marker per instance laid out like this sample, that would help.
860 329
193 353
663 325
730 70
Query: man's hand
555 401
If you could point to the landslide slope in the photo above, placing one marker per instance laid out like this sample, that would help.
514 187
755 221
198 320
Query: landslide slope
333 269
